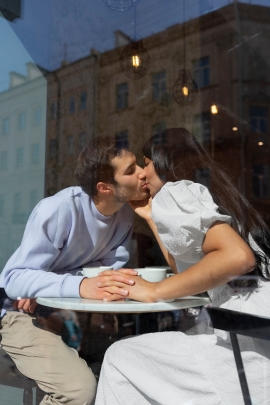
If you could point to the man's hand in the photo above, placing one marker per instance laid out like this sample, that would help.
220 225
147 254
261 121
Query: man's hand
115 281
143 208
26 304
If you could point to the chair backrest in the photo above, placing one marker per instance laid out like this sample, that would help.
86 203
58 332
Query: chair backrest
3 296
240 323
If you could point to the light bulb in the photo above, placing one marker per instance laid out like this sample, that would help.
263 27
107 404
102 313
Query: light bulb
260 143
234 128
136 61
214 109
185 91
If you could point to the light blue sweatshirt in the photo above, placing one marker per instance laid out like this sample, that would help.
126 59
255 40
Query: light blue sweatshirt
63 234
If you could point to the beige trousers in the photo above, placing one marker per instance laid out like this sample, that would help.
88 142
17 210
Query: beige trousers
42 356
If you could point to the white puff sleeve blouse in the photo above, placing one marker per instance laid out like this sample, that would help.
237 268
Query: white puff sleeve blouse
183 212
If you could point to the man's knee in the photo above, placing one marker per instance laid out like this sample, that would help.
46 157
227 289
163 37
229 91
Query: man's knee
83 390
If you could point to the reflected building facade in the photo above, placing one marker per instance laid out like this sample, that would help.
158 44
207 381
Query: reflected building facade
70 119
22 154
225 53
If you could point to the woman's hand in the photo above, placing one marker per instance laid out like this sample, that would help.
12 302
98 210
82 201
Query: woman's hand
143 208
140 290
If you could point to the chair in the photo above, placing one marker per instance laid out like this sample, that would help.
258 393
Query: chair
238 323
17 380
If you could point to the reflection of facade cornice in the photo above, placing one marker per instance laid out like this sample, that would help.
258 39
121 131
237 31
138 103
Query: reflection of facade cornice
22 82
224 16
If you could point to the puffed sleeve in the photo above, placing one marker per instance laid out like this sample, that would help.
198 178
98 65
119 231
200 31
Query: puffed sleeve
183 212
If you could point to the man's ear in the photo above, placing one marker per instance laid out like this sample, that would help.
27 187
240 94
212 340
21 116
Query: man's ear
104 188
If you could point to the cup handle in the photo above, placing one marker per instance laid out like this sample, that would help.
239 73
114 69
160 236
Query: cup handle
79 271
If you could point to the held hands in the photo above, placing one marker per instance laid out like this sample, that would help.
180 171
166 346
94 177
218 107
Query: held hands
143 208
140 290
110 285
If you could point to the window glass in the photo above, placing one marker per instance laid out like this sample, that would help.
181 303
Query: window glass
83 100
201 69
122 139
19 157
76 71
82 140
22 121
258 119
122 96
35 153
37 115
158 86
70 145
72 105
4 160
6 126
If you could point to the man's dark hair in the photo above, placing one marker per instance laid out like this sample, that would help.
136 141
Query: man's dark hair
95 163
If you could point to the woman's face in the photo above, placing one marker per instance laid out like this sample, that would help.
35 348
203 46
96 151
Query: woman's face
153 182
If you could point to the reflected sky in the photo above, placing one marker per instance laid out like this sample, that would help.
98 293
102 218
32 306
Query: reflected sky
50 31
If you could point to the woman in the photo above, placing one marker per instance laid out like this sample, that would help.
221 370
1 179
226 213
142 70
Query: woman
217 243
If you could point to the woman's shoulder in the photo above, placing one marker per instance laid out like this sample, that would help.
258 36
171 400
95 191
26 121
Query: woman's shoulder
185 193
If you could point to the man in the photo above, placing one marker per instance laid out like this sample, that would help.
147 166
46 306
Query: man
90 225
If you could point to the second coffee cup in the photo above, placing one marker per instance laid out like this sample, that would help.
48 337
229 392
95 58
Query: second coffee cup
152 274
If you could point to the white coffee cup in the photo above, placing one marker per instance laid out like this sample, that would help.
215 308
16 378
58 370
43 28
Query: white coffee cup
92 271
152 274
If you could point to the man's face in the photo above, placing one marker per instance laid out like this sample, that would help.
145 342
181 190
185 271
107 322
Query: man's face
130 179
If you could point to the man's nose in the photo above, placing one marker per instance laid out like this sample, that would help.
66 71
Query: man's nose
141 171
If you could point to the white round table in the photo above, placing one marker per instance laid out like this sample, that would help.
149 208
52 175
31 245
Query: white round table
128 306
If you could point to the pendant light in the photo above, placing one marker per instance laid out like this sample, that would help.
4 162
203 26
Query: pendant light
185 89
135 60
120 5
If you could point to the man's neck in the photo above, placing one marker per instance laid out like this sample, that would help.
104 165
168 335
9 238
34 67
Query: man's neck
107 207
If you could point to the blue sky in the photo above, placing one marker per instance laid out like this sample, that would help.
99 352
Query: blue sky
51 30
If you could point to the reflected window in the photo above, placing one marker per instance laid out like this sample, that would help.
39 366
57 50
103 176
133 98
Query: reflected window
158 127
202 127
258 119
22 121
33 199
19 157
71 106
122 139
53 148
18 217
201 68
54 110
4 160
82 140
261 181
83 100
122 96
17 202
70 145
6 126
202 176
37 118
35 153
2 205
158 85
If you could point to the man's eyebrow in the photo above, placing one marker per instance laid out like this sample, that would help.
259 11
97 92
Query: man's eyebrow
129 166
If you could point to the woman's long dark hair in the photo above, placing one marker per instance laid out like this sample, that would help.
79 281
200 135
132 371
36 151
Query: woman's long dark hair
177 155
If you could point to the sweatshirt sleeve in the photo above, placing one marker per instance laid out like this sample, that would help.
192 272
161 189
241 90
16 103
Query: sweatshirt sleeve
27 274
